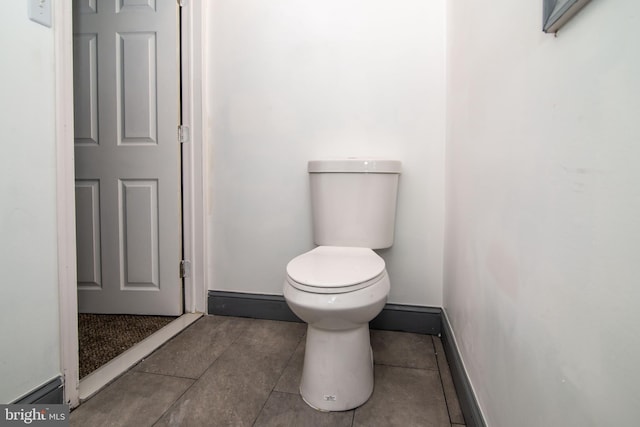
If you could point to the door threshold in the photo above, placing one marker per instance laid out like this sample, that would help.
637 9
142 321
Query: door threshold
102 376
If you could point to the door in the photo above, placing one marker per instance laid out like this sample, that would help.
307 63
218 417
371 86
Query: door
127 157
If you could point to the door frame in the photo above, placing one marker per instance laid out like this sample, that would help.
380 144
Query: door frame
194 177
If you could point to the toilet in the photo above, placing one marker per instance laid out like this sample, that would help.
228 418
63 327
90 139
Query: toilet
342 284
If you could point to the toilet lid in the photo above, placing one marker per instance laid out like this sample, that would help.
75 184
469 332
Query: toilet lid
329 268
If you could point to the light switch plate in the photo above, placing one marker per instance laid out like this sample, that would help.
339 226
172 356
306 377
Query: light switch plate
40 11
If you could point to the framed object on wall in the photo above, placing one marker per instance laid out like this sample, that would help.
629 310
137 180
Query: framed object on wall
555 13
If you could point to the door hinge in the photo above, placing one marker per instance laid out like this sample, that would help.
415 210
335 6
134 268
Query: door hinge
181 3
185 269
183 134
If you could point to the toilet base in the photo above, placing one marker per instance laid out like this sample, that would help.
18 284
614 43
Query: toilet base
338 368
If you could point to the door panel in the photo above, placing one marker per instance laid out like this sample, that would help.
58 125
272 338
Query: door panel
88 234
136 106
85 94
139 234
126 98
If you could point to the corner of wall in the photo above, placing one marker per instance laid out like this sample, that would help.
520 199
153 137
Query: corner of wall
466 395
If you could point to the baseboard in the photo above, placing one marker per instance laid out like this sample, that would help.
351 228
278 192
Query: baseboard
408 318
256 306
468 402
49 393
394 317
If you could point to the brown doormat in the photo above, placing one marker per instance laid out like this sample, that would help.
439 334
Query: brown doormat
101 337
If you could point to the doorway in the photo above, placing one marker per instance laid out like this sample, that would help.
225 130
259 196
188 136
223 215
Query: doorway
127 157
128 178
194 85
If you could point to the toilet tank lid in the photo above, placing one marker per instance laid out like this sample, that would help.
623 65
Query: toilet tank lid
355 165
335 266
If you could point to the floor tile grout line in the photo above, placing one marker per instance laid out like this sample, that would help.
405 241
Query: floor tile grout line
215 328
304 336
283 392
188 388
407 367
203 372
446 401
353 416
174 402
210 365
233 341
167 375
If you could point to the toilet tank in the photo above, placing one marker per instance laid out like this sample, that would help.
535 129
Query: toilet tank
353 201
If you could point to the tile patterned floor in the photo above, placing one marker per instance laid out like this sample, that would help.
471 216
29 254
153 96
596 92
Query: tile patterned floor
228 371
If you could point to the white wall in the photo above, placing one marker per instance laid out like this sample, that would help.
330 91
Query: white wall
291 81
543 211
29 353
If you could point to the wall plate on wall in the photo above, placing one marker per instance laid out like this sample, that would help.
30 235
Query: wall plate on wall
40 11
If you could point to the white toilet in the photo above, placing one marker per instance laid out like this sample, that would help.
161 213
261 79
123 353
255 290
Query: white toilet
342 284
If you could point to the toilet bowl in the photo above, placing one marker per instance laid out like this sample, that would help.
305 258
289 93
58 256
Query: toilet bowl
337 291
342 284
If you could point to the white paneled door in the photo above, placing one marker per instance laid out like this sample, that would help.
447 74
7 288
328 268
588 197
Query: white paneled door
126 96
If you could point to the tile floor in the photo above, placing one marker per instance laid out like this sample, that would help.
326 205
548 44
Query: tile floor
228 371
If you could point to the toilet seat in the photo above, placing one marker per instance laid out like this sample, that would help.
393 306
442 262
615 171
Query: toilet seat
335 269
